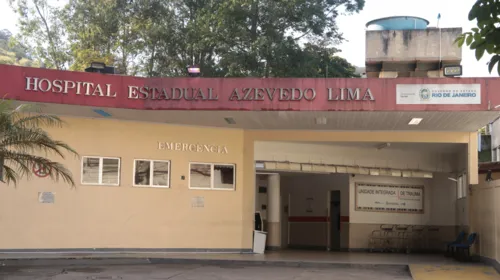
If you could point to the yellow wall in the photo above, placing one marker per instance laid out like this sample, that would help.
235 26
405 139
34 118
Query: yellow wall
131 217
126 216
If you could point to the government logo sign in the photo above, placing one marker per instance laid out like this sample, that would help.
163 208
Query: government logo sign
425 94
438 94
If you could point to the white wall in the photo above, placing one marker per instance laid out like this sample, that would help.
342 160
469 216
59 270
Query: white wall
462 212
439 202
443 201
357 156
495 134
261 198
316 186
484 217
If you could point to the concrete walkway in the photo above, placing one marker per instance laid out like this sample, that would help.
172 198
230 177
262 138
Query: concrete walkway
422 267
287 257
195 272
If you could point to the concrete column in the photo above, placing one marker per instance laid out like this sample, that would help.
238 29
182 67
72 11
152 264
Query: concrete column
273 212
472 160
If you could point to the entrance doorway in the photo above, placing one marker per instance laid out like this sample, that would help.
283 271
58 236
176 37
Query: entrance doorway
335 220
303 210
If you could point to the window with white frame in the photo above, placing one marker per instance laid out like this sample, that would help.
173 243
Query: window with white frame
100 171
151 173
215 176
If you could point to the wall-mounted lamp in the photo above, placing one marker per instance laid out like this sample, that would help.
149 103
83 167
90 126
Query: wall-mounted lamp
194 71
100 67
260 165
452 70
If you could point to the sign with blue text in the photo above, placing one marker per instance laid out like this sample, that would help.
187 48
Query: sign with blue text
438 94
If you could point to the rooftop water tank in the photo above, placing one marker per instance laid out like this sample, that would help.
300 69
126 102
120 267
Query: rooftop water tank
397 23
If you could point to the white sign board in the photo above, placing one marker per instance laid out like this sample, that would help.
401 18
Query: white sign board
198 202
376 197
450 94
46 197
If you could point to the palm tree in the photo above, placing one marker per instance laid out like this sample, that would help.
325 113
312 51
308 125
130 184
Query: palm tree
24 144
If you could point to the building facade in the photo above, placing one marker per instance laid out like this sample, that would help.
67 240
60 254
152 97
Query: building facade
183 164
405 46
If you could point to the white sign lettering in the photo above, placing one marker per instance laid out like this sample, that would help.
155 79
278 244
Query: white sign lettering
65 86
374 197
445 94
85 88
196 148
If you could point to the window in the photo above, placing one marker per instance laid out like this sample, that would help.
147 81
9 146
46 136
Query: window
151 173
216 176
100 171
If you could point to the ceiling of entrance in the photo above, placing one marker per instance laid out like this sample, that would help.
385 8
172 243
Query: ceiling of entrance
287 120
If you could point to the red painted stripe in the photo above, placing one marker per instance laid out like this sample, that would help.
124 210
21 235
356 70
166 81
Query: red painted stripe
308 219
315 219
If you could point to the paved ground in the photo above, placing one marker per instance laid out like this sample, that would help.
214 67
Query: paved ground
197 272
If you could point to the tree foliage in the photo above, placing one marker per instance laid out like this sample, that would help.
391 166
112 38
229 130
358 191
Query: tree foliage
486 36
24 144
287 38
11 52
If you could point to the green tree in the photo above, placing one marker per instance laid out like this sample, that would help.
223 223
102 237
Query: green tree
486 36
11 52
100 31
24 144
271 30
311 61
43 32
225 38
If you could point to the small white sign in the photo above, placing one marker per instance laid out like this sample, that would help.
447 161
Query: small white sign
442 94
198 202
375 197
46 197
